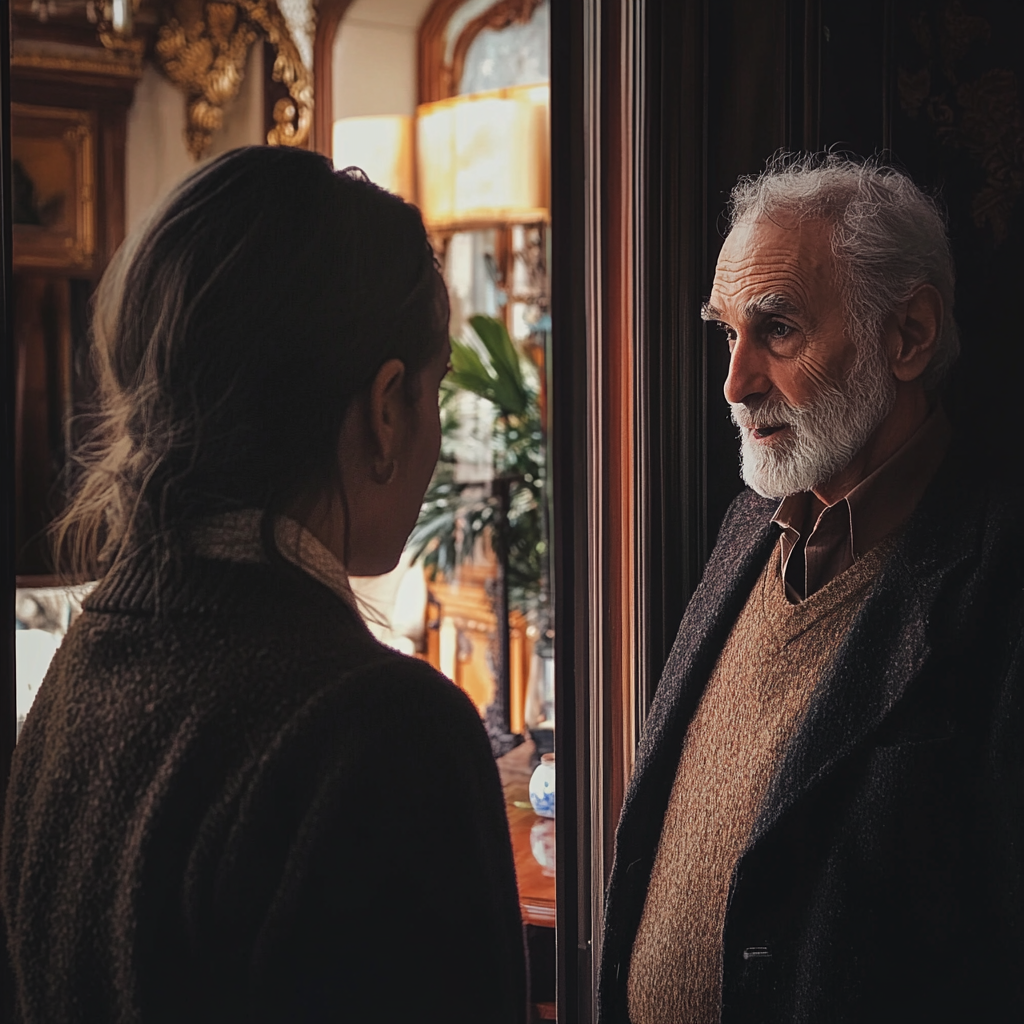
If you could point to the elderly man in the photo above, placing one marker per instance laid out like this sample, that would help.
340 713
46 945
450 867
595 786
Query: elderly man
826 819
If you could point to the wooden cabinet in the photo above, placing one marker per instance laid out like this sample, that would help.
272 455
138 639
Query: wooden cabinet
462 638
70 99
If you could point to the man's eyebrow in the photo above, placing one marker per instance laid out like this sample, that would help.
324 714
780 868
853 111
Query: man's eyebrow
770 304
764 305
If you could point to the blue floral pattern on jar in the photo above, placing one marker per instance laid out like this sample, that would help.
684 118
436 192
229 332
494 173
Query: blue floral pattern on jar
542 787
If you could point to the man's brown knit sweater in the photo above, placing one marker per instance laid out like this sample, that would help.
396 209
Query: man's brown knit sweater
753 703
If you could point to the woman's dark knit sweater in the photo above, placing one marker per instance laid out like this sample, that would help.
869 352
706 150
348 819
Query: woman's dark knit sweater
230 803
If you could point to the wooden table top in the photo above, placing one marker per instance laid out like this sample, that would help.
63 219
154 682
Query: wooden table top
533 839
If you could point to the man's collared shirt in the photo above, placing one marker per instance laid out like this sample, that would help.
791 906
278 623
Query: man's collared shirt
879 504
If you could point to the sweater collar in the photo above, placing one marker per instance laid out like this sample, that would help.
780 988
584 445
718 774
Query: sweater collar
236 537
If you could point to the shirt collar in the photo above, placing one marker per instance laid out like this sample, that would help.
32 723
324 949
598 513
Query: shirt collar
879 504
235 537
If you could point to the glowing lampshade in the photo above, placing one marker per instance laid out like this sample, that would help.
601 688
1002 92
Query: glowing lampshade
379 145
435 160
483 158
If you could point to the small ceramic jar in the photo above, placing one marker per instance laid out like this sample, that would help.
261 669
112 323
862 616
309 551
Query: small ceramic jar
542 845
542 787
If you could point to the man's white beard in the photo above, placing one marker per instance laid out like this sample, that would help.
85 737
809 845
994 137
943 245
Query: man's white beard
824 435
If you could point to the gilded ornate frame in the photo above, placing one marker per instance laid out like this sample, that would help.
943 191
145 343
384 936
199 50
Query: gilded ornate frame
70 244
203 46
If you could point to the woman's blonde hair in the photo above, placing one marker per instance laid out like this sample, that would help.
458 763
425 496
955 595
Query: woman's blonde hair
230 335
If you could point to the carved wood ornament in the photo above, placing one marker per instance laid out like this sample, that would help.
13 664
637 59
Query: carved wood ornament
203 48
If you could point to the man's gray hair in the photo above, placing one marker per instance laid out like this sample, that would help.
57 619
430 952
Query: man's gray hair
888 237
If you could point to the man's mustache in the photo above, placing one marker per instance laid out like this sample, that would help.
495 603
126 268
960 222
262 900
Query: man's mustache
771 413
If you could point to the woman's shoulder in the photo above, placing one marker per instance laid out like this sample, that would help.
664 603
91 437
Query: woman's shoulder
404 691
392 728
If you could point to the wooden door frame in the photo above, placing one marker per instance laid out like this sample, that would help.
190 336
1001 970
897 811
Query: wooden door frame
8 693
328 19
622 382
596 114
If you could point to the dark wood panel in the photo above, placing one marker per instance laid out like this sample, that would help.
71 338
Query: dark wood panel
958 126
567 448
8 697
673 351
42 343
856 75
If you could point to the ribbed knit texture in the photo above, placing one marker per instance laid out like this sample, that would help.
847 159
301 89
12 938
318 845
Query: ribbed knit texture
229 803
755 697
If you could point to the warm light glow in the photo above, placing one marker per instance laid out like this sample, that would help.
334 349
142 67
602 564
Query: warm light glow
483 158
435 160
381 146
121 16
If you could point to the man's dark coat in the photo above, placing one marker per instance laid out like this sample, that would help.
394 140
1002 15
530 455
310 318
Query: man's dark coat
883 879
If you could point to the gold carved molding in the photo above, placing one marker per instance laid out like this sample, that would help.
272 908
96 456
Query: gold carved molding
293 118
203 47
128 51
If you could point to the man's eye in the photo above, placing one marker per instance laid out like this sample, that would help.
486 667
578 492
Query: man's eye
776 330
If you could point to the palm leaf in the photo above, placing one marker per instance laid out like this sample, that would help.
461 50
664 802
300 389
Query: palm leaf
500 380
504 357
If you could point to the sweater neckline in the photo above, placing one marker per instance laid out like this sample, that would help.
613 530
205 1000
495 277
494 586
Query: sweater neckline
236 537
788 621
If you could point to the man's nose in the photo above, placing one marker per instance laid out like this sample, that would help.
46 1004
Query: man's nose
748 375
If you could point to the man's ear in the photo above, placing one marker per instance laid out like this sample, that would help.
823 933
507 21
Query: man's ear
386 409
914 332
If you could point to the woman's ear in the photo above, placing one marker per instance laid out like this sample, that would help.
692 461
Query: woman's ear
386 409
914 339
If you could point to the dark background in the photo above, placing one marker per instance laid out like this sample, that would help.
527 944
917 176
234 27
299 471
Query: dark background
935 86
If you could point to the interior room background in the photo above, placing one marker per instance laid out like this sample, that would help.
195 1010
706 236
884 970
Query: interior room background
656 106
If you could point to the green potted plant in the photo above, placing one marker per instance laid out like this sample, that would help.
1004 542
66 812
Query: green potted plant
456 514
452 520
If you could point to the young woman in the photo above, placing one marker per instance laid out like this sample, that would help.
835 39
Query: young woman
229 802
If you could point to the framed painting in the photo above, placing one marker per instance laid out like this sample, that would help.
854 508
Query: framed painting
53 188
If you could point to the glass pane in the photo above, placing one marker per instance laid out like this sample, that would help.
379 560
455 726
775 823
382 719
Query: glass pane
42 616
517 55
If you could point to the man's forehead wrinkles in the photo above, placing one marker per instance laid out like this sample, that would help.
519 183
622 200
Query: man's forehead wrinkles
759 294
762 268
